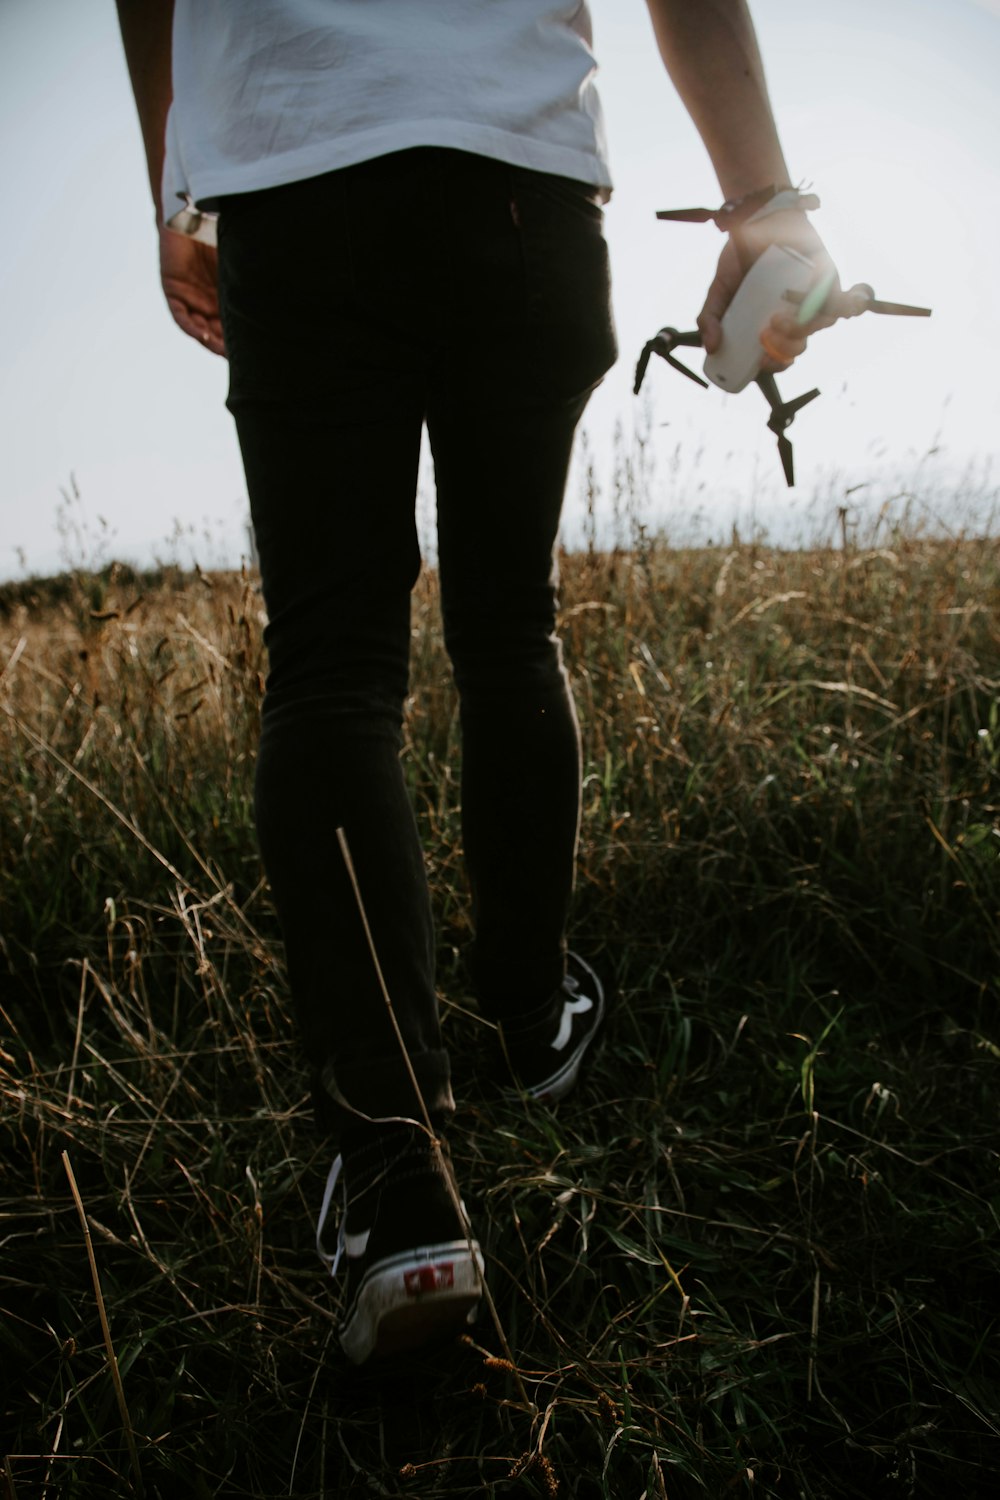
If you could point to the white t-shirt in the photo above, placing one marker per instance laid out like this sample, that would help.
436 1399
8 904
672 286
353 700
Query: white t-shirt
273 91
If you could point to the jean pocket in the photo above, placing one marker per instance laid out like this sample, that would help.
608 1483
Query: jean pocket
567 278
565 194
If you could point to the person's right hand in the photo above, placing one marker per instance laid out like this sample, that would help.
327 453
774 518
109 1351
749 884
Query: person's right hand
784 338
189 273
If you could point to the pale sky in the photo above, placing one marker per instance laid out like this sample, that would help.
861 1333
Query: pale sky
889 109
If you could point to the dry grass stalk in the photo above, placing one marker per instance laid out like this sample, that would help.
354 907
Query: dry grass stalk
106 1330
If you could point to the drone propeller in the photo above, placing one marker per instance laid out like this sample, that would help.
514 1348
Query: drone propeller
782 412
716 216
810 303
782 415
735 213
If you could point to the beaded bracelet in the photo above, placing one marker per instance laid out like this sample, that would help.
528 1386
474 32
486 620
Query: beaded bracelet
760 203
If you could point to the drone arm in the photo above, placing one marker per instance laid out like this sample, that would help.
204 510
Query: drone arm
690 340
664 343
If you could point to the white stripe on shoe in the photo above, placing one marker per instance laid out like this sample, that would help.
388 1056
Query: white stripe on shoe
570 1009
580 1017
330 1259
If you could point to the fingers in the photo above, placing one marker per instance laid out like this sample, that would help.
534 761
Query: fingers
204 329
849 304
710 327
189 274
784 338
721 292
781 351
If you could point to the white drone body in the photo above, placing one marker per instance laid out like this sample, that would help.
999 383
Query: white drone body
780 280
762 292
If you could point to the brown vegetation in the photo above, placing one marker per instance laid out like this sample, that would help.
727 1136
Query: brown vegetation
756 1253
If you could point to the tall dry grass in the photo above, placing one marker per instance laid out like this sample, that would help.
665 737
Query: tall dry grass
756 1253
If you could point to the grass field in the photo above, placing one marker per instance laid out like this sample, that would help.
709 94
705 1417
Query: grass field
756 1253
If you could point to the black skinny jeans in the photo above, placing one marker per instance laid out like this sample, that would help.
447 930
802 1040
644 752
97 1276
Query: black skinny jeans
428 286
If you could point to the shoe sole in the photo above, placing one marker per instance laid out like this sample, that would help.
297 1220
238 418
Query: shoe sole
413 1300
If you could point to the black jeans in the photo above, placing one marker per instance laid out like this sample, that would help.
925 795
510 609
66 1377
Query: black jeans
435 287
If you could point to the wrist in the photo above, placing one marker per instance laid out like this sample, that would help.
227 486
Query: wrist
761 203
783 200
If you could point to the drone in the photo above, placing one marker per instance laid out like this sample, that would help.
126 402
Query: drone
781 279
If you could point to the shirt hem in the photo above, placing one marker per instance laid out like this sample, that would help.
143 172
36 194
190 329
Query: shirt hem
328 156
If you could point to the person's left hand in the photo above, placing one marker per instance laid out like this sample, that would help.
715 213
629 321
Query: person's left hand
189 274
784 338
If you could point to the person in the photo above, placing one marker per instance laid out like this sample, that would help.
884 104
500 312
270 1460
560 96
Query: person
409 199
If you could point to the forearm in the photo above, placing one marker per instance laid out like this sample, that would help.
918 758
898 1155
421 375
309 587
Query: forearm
709 48
146 29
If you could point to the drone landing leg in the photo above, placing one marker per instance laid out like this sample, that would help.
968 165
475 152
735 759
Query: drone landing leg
782 415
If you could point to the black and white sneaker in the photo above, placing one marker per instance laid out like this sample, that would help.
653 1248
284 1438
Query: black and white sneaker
545 1051
414 1272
